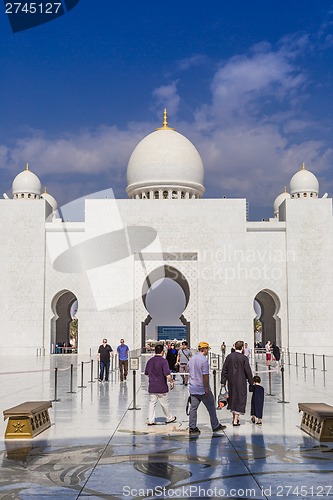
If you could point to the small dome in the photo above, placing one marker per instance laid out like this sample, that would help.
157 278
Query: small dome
51 201
26 185
279 200
165 159
304 184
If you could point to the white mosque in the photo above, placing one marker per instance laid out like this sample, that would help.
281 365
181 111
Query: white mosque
105 266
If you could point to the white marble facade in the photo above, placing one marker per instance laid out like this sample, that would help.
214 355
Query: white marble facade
221 260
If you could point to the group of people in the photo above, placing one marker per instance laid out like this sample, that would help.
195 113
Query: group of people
236 374
105 352
194 370
178 359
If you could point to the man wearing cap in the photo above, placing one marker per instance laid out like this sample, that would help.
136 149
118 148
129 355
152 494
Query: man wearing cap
200 390
183 358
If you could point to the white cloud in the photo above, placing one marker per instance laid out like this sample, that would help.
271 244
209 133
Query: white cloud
190 62
166 96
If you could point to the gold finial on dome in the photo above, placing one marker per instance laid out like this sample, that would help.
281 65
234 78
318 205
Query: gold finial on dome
27 166
285 189
45 192
165 122
303 166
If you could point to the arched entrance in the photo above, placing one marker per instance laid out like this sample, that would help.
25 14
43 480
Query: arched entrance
173 278
64 324
267 313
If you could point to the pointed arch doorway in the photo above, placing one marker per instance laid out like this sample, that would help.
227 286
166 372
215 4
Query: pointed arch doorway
267 308
64 323
164 289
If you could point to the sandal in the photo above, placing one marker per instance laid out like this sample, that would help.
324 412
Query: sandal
253 420
235 423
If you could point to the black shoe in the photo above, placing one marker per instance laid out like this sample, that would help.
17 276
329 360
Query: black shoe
194 431
220 428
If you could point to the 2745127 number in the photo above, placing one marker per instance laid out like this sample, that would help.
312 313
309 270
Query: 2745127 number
32 7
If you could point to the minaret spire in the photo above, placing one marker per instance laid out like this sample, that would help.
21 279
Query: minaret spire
165 125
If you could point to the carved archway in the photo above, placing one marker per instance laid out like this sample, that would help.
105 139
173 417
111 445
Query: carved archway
60 323
269 304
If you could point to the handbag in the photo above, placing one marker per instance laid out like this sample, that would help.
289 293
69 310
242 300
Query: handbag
222 399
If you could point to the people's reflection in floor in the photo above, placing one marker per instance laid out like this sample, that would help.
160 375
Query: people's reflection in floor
103 402
204 457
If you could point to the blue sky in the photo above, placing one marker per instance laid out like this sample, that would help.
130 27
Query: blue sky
249 83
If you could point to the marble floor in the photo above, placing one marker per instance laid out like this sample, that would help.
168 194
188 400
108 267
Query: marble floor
99 447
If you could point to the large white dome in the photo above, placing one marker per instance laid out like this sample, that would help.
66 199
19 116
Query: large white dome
26 185
165 159
304 184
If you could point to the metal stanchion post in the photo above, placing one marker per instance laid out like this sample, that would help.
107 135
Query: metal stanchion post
56 385
134 407
92 381
313 362
214 379
288 357
304 365
270 381
82 386
324 365
71 382
282 383
97 369
256 366
112 359
296 360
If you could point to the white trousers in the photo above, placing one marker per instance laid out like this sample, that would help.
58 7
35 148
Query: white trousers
164 401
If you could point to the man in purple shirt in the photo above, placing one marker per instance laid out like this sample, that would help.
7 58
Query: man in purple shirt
200 390
158 371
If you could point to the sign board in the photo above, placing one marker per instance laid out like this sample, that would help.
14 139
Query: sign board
134 363
214 363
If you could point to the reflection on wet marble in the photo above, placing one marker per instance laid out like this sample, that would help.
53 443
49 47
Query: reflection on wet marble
97 448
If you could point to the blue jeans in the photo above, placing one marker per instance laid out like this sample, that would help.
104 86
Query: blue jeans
104 365
209 403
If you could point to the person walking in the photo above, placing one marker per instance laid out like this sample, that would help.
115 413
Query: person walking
200 390
104 353
257 401
122 351
276 353
268 349
223 351
171 358
158 372
236 372
247 351
183 358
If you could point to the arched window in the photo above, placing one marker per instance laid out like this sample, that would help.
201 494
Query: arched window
165 195
156 195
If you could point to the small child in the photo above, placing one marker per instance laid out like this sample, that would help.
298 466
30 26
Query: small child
257 401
